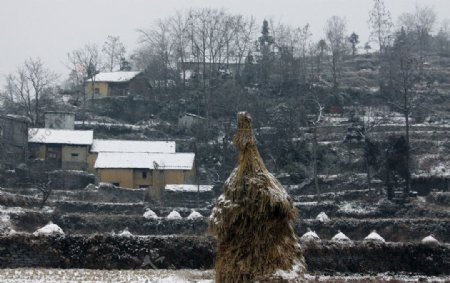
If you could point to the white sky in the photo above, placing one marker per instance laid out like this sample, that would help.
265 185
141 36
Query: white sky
49 29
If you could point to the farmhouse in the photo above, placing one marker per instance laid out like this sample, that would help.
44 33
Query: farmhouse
145 169
129 146
66 149
116 84
13 140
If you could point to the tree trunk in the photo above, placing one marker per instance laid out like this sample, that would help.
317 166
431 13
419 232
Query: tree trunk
406 113
316 180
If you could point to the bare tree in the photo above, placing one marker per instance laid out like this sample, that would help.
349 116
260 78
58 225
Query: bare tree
335 31
406 79
46 189
179 30
159 48
244 29
84 64
114 50
29 84
380 24
420 24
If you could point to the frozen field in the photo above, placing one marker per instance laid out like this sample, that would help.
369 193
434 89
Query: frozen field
176 276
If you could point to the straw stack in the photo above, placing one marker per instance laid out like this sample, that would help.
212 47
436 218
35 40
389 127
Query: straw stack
253 221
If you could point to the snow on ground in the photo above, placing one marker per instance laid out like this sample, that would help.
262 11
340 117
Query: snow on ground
188 188
347 207
49 229
35 275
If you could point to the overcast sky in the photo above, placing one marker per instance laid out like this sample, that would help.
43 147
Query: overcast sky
49 29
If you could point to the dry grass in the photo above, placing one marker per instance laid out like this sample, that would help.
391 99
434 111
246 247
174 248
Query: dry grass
253 221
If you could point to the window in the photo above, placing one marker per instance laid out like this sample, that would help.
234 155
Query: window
144 174
96 90
116 184
52 155
74 155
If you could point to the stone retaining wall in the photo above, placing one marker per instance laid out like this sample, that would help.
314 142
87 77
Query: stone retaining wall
177 252
393 230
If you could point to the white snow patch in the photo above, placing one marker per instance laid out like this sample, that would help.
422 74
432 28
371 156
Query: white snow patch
430 240
323 217
310 236
374 236
188 188
174 215
194 215
150 214
289 274
49 229
340 237
125 233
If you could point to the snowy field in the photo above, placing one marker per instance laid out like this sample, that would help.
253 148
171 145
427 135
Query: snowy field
28 275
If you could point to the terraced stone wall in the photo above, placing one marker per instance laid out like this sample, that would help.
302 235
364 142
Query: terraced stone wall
177 252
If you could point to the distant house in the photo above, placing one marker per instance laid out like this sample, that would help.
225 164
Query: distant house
129 146
13 140
145 170
117 84
67 149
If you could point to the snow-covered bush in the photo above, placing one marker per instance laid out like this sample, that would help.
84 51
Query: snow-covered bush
310 236
150 214
374 237
125 233
323 217
194 215
341 237
430 240
49 229
174 215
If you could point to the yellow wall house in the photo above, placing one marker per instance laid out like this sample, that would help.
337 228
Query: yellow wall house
127 146
68 149
145 170
116 84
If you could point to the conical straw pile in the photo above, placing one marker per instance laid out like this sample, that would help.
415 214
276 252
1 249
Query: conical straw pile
253 221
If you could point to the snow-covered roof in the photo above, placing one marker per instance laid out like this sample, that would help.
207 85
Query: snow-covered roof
145 160
188 188
133 146
114 77
58 136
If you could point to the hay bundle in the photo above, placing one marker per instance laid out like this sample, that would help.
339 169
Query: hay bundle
253 221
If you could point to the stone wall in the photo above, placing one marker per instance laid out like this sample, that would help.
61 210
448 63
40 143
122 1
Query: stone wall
393 230
70 180
177 252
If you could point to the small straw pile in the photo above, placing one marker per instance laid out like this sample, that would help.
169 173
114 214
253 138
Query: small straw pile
253 221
